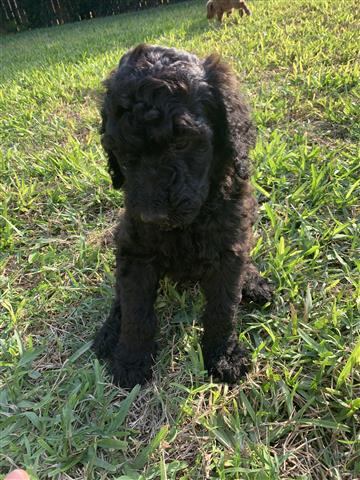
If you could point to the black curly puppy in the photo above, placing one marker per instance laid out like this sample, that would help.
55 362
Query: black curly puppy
177 135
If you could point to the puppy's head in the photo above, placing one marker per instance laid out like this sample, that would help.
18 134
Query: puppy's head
165 129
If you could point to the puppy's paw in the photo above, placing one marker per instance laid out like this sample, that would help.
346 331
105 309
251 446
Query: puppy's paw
260 291
228 364
131 367
106 338
257 288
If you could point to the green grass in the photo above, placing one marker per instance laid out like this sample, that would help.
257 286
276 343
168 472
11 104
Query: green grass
297 414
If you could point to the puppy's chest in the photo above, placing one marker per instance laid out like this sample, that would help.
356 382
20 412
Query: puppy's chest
189 253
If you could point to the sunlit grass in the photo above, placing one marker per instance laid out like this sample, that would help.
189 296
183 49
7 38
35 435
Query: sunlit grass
297 414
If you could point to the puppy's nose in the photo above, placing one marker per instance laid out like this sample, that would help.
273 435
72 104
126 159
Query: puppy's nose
159 218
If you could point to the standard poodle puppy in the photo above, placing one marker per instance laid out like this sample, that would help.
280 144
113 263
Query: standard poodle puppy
219 7
177 136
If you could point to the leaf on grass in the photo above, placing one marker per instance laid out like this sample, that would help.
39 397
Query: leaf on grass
163 475
281 246
79 352
34 419
248 408
353 360
101 463
340 259
294 319
352 188
317 422
309 341
307 304
112 443
144 455
124 408
269 331
223 438
261 189
69 462
29 356
126 477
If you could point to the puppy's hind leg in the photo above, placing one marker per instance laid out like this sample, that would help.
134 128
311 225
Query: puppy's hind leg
256 288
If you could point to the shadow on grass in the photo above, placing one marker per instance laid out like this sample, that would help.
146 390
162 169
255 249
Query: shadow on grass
78 42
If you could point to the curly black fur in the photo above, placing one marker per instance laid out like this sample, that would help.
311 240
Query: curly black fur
177 134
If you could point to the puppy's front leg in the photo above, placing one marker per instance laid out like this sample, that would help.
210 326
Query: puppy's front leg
224 356
136 287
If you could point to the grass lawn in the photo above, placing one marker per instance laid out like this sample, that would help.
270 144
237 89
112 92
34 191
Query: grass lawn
297 414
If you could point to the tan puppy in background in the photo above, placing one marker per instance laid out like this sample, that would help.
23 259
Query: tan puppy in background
219 7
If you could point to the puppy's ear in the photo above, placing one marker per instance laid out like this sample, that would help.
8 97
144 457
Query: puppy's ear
234 133
116 175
